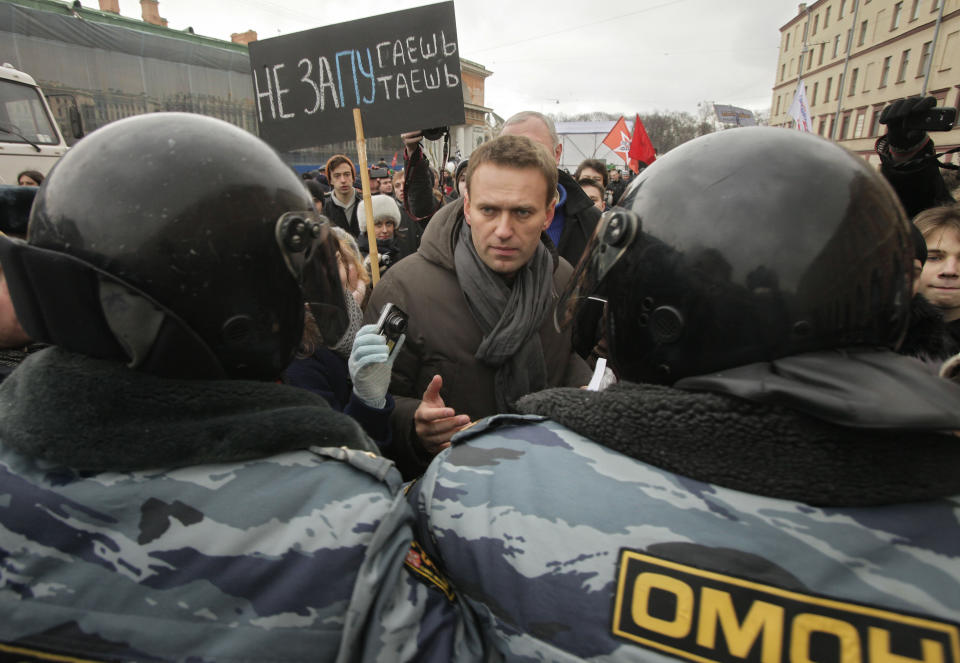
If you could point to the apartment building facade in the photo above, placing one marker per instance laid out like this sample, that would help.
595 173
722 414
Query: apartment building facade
857 56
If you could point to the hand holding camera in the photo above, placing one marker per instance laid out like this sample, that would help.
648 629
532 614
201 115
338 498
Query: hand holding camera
374 350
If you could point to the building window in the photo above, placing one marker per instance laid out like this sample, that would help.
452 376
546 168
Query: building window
853 82
830 127
858 127
951 51
816 23
810 62
783 71
813 98
777 112
843 4
915 10
875 121
844 126
826 89
895 21
863 34
836 46
935 6
836 95
791 67
885 72
823 48
924 58
904 62
786 46
826 17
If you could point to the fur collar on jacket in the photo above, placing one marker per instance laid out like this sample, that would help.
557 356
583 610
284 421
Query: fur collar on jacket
757 448
98 415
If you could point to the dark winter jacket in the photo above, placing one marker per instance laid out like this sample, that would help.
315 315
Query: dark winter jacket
335 213
580 220
325 373
928 336
443 336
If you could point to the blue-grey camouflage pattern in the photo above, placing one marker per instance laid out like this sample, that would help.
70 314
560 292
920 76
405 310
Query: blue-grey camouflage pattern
528 520
296 557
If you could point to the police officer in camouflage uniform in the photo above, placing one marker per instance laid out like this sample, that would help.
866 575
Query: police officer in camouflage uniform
770 482
161 496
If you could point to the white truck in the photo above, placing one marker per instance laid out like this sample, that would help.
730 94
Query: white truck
30 138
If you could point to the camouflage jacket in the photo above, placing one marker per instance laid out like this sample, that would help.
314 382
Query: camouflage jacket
296 555
568 550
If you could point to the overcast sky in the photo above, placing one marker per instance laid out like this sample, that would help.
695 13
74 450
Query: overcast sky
566 56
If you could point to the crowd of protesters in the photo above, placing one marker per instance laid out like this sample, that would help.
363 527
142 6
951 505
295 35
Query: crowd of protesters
590 416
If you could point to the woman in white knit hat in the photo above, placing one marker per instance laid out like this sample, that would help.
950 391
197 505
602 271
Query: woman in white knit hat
386 224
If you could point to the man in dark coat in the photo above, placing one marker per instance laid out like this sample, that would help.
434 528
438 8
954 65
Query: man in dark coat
479 293
343 202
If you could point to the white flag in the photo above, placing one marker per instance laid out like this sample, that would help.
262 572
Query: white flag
800 110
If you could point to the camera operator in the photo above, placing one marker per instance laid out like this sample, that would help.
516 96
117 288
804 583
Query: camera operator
907 156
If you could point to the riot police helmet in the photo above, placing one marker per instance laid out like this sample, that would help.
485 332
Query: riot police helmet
178 244
745 246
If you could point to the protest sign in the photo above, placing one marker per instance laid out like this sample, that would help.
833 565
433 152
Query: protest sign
402 70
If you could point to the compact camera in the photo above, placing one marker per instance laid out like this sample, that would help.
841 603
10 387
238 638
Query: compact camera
392 324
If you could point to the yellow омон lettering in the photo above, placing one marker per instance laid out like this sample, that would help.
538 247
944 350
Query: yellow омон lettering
766 618
805 624
879 647
679 627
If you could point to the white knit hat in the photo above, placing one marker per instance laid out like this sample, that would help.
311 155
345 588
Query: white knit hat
383 206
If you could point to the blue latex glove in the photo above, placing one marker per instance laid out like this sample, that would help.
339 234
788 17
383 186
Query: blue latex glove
370 365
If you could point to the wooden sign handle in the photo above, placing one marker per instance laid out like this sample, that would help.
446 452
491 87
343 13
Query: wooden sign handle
367 202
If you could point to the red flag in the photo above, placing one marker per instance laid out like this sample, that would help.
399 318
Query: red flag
618 139
393 164
641 149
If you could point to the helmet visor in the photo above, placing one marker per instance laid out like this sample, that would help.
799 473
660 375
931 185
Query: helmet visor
616 232
310 251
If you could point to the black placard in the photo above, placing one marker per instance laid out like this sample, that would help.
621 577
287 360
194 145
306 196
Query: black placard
401 69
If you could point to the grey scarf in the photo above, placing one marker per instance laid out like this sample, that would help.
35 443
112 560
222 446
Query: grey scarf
344 344
509 318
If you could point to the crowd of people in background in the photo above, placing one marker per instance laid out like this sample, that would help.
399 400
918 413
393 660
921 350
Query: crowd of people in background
504 412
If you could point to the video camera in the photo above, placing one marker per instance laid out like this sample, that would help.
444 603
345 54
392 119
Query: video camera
933 119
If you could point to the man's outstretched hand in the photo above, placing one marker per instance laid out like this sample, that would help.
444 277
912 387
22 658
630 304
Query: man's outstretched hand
434 422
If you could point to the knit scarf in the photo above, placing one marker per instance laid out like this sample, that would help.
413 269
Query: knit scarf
344 344
509 317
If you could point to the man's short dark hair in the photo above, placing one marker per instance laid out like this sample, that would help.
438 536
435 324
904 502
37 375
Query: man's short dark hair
592 164
335 161
586 181
518 152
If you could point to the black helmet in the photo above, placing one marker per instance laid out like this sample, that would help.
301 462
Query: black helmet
178 243
745 246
